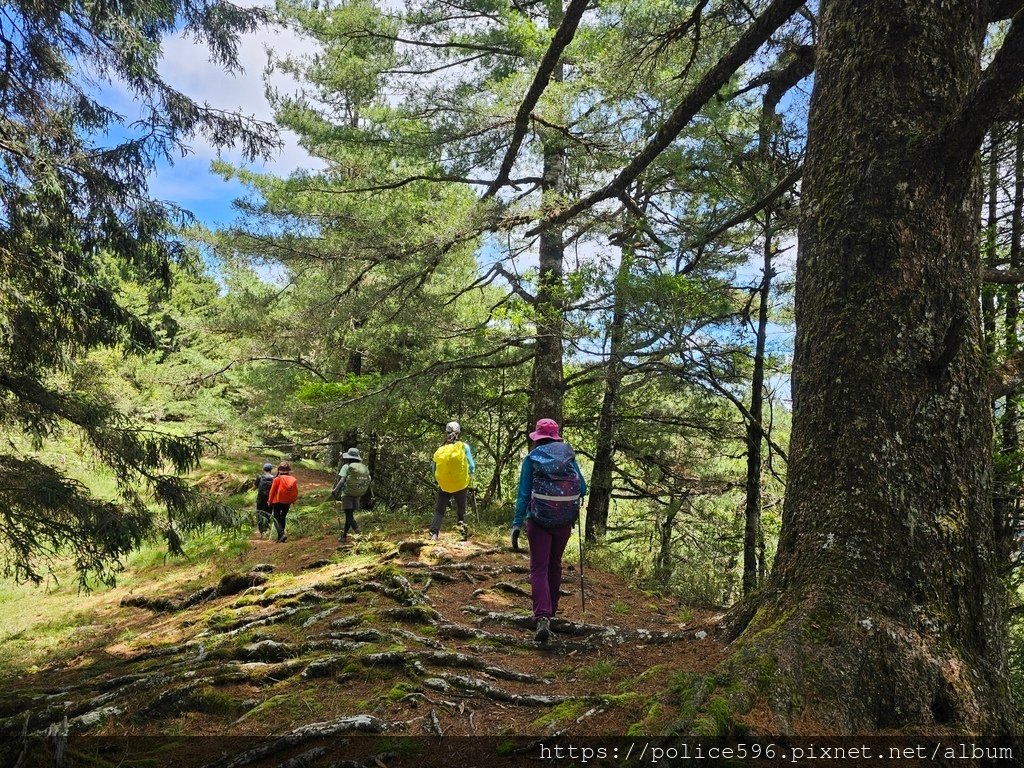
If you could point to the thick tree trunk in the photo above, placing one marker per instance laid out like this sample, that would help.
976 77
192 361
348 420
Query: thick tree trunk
752 505
547 380
884 609
600 492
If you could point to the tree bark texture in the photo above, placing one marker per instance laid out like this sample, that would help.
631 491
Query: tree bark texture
884 609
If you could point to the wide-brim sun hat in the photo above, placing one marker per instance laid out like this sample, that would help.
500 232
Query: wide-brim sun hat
351 453
546 428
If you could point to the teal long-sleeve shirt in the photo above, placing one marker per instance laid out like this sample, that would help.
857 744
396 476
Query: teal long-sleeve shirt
526 488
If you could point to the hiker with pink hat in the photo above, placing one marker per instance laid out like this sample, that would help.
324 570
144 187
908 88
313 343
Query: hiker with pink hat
550 488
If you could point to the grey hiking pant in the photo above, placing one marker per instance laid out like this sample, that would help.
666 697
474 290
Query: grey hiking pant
443 497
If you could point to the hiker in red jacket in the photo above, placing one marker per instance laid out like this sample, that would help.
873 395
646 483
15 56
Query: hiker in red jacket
283 493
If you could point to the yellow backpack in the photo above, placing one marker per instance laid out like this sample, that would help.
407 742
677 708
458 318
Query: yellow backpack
451 467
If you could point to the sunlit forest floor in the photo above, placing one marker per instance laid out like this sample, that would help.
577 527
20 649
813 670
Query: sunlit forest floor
251 638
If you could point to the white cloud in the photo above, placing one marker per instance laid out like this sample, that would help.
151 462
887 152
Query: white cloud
186 66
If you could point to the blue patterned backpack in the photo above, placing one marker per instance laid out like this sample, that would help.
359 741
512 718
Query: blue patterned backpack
555 501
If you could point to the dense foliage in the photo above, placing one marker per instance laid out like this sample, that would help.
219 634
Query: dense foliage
77 227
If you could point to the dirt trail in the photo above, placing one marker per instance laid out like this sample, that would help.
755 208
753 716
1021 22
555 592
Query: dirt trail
405 637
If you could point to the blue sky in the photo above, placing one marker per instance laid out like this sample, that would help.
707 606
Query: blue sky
187 67
190 183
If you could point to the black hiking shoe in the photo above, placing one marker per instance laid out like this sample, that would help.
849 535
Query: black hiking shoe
543 630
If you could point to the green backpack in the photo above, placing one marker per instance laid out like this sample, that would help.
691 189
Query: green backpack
358 481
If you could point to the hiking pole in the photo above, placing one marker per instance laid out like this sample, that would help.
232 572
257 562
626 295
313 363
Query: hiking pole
476 509
583 594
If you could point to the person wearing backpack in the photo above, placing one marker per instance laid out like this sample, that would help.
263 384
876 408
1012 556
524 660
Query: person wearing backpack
452 465
284 491
353 482
548 501
263 514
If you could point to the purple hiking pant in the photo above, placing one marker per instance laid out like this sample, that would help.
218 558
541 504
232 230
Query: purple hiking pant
546 548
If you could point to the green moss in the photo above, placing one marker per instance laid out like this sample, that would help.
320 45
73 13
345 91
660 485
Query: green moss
273 702
401 690
567 710
619 699
645 725
630 683
715 720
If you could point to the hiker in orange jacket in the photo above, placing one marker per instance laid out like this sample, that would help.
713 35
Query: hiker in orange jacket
283 493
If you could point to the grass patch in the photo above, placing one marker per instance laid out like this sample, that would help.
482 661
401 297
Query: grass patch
599 670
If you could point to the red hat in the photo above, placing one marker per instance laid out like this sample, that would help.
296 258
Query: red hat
545 428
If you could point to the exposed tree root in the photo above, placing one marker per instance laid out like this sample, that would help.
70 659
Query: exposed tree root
170 604
437 575
245 625
475 567
432 723
317 617
510 588
325 667
446 683
359 636
555 645
233 583
362 723
600 633
450 659
167 650
322 563
407 635
346 622
419 614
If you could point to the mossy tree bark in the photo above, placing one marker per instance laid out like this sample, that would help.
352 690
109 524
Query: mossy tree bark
885 608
